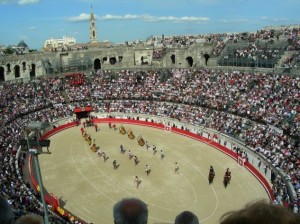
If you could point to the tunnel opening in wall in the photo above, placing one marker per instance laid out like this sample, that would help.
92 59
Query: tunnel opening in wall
17 71
190 61
206 57
97 64
2 78
112 60
33 70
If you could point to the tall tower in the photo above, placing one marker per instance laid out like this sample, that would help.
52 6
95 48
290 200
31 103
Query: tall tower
93 38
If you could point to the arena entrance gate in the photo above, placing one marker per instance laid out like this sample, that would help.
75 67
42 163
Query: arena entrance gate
97 64
2 79
82 112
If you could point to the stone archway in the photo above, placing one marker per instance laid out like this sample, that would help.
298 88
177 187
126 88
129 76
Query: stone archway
206 57
24 66
32 71
173 58
112 60
8 69
144 60
17 71
2 78
97 64
190 61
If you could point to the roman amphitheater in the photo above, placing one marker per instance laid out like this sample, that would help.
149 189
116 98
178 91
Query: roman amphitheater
230 101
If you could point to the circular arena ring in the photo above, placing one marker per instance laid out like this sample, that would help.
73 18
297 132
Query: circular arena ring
88 186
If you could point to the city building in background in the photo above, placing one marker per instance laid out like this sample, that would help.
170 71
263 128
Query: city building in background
53 44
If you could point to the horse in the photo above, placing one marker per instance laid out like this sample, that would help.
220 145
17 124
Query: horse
226 180
85 136
122 130
211 177
89 140
130 134
141 141
94 147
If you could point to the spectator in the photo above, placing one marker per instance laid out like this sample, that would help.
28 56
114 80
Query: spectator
186 217
30 219
130 211
260 212
6 212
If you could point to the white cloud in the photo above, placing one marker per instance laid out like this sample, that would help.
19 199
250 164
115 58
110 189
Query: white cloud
27 2
274 19
235 21
149 18
20 2
6 1
115 17
146 18
81 18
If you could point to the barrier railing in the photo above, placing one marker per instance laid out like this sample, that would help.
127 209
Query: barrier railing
50 198
155 122
256 160
192 133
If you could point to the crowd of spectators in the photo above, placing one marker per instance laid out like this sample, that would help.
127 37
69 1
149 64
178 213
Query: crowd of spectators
252 51
252 55
260 109
159 53
219 41
292 61
293 37
25 102
218 48
13 187
19 98
265 98
176 41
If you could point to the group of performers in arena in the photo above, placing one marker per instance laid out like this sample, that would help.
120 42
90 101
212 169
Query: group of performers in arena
226 179
131 156
88 123
91 142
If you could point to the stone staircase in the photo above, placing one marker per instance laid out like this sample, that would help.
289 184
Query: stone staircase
285 56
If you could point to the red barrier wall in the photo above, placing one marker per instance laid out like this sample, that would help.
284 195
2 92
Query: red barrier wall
49 198
207 141
58 129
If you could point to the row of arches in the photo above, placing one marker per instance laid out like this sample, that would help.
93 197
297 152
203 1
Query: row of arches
17 70
111 60
188 62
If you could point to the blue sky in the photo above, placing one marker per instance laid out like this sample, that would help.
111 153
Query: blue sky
34 21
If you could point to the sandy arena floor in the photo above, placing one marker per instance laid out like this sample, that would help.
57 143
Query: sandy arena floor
89 187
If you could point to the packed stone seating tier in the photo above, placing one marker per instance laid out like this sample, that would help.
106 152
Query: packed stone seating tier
260 109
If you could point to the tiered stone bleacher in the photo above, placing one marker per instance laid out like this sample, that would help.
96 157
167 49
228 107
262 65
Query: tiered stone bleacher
261 49
260 109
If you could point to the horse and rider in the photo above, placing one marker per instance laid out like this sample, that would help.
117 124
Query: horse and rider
227 177
211 175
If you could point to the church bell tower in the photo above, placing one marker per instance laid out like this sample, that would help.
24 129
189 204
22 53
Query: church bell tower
93 37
